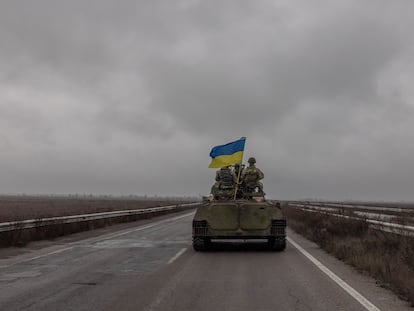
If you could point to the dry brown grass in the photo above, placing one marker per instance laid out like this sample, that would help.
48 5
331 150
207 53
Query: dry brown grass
385 256
15 208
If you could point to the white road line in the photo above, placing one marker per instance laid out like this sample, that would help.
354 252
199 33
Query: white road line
350 290
180 252
37 257
145 227
106 237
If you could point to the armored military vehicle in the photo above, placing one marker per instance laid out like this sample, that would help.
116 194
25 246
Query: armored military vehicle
244 219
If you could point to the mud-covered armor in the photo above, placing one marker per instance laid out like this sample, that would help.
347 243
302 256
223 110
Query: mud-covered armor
239 220
246 216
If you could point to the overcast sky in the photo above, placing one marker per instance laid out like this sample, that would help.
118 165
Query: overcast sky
128 97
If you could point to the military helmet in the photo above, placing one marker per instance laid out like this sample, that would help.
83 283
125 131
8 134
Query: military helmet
251 160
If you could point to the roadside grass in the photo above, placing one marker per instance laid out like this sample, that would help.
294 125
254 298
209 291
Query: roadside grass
387 257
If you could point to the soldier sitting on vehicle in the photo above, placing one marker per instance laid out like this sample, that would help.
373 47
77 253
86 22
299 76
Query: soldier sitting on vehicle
250 179
223 189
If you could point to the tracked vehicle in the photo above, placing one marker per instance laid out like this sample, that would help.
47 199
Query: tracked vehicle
239 219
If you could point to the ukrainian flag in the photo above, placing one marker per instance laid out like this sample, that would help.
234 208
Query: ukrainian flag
227 154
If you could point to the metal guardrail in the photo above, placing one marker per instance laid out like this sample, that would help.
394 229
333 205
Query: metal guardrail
371 207
365 207
375 224
42 222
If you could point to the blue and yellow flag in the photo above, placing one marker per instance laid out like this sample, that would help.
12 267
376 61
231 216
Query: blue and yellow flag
227 154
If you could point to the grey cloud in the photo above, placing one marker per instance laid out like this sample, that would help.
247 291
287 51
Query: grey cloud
129 96
331 59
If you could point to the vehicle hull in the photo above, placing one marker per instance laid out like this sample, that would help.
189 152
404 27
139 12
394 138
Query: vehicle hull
240 219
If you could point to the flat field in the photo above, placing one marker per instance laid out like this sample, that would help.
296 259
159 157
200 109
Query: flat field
15 208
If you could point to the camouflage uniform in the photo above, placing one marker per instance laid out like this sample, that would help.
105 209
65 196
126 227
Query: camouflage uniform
223 189
251 176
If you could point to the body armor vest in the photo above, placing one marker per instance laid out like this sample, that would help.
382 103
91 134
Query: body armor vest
226 176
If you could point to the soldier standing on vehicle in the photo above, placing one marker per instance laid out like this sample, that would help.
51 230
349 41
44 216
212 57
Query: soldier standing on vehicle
251 176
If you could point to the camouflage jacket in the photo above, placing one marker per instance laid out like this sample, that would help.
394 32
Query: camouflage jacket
252 174
225 175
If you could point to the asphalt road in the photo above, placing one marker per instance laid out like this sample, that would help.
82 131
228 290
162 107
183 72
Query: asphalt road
150 265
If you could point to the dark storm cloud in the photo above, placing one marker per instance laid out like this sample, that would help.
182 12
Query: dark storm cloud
129 96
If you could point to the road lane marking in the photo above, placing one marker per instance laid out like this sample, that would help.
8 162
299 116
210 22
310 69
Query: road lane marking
37 257
143 227
95 240
345 286
180 252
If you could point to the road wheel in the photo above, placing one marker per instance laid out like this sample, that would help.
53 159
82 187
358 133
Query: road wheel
276 245
271 243
207 243
199 244
280 245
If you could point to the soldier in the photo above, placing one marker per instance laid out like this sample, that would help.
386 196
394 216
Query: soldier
215 188
251 176
223 188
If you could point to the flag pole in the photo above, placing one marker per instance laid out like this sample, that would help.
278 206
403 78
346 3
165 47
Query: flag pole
237 183
238 175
